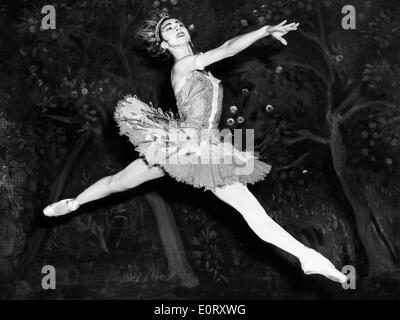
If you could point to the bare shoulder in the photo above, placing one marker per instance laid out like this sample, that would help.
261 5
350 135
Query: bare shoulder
181 70
184 65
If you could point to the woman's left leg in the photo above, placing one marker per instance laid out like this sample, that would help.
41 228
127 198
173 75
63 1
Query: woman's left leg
239 197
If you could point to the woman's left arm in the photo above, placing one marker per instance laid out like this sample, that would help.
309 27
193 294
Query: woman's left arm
241 42
232 47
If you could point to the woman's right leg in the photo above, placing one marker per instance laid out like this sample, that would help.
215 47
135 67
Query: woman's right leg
133 175
130 177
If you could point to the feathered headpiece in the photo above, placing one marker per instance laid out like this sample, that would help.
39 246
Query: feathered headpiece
164 16
149 31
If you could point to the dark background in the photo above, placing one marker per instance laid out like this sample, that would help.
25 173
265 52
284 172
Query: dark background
325 110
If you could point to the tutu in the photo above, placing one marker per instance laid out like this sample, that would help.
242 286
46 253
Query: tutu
189 148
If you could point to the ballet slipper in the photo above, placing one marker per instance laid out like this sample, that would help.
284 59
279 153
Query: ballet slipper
313 262
61 207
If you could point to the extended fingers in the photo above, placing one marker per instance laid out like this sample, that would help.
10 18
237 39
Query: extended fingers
285 28
288 28
283 23
291 26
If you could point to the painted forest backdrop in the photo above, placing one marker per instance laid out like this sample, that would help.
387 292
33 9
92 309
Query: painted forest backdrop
326 114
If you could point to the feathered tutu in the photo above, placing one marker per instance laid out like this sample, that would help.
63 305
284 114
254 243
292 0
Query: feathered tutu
187 153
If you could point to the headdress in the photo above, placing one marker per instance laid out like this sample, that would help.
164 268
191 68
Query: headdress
149 31
163 16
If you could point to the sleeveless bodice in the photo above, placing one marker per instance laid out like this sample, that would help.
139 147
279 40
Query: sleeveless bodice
190 148
199 101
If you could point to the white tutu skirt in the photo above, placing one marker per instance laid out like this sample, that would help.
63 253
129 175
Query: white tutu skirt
193 155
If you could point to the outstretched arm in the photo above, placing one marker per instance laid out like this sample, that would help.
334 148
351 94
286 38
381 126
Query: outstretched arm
233 46
241 42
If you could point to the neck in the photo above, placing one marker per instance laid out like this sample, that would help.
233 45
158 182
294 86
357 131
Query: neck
181 52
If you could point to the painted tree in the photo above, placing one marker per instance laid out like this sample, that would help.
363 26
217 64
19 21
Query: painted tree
329 83
75 74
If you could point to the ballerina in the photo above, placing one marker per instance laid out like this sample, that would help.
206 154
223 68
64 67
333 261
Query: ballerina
189 148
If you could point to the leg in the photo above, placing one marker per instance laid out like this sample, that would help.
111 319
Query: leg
239 197
133 175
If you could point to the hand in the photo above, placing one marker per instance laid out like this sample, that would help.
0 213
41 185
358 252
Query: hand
281 29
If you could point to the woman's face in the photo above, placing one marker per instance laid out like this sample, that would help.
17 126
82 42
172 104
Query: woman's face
174 32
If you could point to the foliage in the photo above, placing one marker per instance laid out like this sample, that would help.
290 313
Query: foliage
133 274
101 230
16 175
57 85
209 251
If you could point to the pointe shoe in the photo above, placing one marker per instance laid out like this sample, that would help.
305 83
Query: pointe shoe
313 262
61 207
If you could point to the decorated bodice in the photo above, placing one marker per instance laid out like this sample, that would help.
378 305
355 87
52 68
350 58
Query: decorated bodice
199 101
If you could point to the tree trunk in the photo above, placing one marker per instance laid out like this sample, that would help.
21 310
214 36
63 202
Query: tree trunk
178 265
35 241
378 253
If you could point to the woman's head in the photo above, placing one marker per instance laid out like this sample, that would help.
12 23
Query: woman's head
162 32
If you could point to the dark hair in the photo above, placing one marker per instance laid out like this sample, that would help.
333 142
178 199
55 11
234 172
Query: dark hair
146 32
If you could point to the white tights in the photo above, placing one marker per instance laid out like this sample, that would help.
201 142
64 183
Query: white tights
236 195
239 197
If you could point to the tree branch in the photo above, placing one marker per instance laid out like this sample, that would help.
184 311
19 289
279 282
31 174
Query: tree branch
351 98
294 162
317 41
329 96
363 106
325 52
319 74
304 134
267 140
320 21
